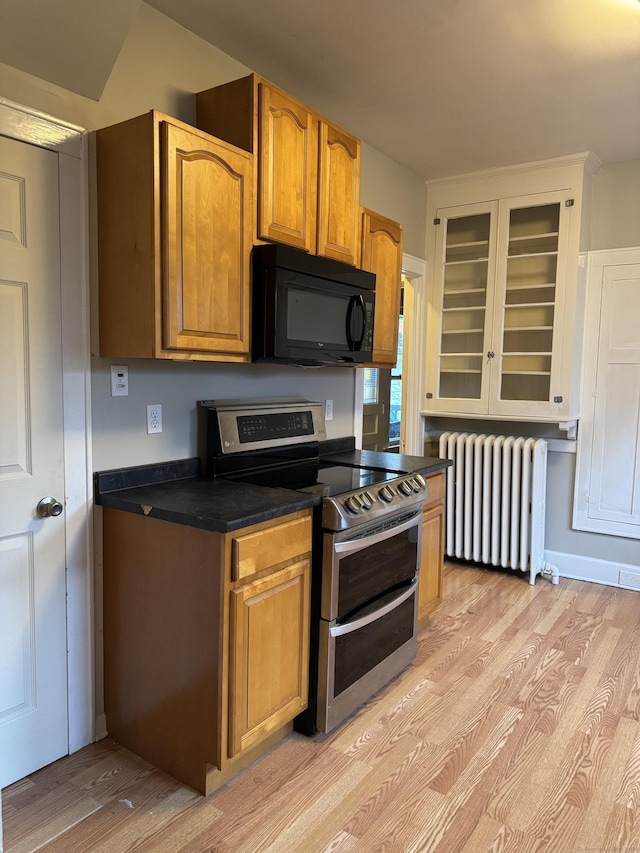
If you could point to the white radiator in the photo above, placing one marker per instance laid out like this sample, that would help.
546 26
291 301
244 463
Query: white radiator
496 492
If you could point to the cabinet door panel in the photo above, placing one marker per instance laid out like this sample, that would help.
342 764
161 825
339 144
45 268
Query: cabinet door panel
432 557
529 305
339 194
614 491
382 254
207 239
269 654
459 364
288 145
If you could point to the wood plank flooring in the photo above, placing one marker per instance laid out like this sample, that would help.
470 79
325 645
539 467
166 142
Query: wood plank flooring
516 729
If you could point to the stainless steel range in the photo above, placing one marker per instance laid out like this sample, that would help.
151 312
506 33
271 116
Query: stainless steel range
367 535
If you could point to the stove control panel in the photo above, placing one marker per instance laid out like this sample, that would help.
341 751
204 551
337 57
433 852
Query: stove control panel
363 506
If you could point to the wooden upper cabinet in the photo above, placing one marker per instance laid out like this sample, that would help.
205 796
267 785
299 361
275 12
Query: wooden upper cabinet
287 170
382 255
174 242
206 229
308 182
338 194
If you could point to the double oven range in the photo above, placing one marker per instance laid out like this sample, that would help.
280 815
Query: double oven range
366 545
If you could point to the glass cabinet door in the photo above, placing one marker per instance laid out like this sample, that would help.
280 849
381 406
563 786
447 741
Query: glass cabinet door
467 273
528 305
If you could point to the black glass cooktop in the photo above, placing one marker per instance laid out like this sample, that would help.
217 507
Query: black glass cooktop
318 479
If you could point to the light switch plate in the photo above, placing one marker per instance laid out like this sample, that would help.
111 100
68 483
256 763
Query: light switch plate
119 380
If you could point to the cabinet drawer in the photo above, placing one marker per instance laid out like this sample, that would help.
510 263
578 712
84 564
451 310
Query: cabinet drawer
264 548
437 485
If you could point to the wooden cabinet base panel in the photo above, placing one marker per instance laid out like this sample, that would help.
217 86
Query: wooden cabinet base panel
215 778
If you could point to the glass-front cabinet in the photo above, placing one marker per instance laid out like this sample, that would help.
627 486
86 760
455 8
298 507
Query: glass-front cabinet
498 298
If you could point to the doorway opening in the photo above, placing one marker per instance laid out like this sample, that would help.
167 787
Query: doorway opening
382 399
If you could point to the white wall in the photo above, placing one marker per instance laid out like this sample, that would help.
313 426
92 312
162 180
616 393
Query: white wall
615 223
398 193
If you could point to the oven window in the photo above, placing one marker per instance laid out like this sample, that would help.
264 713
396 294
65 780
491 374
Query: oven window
358 652
367 573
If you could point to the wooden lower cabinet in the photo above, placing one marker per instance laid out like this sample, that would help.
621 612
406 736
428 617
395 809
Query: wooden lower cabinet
269 654
432 556
204 672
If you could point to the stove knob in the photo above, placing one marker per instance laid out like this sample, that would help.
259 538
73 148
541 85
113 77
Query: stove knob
421 481
405 487
367 500
386 494
415 485
353 504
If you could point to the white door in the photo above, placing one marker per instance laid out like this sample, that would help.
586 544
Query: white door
614 494
33 648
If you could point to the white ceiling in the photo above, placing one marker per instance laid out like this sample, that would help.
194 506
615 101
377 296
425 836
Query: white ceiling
442 86
73 43
447 86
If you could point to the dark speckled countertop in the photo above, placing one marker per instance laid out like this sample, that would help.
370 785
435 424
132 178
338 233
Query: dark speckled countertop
175 491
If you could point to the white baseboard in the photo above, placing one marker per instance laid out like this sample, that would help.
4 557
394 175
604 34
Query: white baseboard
589 569
101 727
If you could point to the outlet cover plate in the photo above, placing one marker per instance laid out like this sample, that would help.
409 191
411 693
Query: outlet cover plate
154 418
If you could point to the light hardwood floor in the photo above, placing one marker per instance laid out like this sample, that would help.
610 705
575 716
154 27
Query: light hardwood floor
516 729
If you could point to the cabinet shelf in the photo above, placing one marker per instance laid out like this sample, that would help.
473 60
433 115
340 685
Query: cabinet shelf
521 255
528 328
541 236
466 261
459 370
537 286
526 372
527 353
461 331
512 305
468 244
463 308
464 292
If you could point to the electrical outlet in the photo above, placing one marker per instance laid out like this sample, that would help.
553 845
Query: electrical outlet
629 579
154 418
328 410
119 380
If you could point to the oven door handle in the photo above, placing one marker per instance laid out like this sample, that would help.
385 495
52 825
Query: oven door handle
364 541
349 627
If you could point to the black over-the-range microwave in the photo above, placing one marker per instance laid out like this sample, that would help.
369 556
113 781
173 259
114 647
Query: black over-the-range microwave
310 310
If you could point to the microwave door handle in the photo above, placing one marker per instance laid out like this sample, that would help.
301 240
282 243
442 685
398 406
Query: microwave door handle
355 300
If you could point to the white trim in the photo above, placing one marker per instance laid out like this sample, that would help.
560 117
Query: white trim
37 128
585 159
101 729
415 300
358 403
589 569
69 142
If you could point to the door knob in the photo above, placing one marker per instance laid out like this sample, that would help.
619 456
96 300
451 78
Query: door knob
49 507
